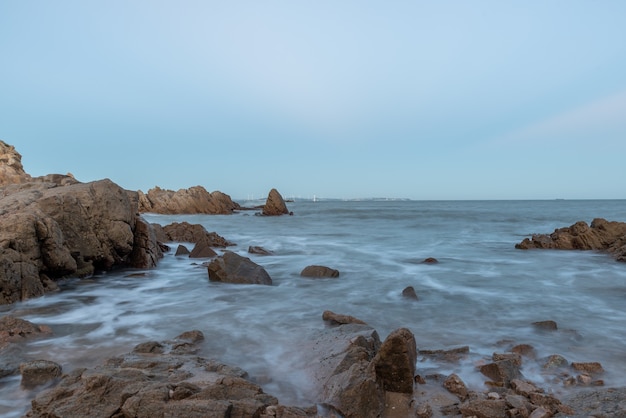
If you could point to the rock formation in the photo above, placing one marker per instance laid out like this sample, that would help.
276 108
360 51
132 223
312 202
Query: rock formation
600 235
233 268
192 200
186 232
11 169
275 204
54 226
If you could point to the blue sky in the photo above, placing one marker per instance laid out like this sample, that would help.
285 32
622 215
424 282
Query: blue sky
345 99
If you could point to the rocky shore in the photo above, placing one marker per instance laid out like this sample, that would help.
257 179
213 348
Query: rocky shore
54 227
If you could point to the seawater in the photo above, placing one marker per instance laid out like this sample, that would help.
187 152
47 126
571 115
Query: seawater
483 291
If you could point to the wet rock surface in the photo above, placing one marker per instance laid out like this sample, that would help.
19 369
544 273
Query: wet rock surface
195 199
233 268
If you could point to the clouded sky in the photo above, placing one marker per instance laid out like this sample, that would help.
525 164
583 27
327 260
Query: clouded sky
408 99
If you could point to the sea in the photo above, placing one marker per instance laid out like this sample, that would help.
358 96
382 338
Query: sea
483 293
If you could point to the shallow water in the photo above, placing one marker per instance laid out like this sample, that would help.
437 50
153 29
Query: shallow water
481 292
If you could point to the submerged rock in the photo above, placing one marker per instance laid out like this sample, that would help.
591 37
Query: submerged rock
338 319
319 272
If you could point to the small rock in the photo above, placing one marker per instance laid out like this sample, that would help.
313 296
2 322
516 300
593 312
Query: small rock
525 350
545 325
319 271
181 250
409 293
338 319
540 412
38 372
430 260
555 361
591 367
202 250
455 385
259 250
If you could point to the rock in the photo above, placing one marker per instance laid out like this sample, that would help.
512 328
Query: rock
555 361
455 385
394 363
591 367
502 371
181 250
172 384
450 356
233 268
319 272
338 364
600 235
430 260
38 372
606 402
11 169
202 250
524 388
274 205
525 350
259 250
409 293
192 200
540 412
515 358
484 408
186 232
338 319
545 325
14 329
73 230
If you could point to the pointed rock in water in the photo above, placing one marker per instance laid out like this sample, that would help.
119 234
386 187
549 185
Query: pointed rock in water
275 204
253 249
181 250
202 250
409 293
233 268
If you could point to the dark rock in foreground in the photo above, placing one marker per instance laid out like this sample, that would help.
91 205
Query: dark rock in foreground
601 235
233 268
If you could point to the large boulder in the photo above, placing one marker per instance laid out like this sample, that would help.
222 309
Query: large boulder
157 379
394 363
56 229
186 232
600 235
192 200
275 204
233 268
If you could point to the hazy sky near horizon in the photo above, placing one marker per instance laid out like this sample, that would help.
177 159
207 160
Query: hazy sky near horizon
346 99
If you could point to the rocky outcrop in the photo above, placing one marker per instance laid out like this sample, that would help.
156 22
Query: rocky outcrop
233 268
194 233
157 379
55 227
600 235
11 169
275 204
192 200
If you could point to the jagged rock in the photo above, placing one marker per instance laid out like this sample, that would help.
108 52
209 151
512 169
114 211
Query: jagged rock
233 268
394 363
49 231
173 383
455 385
186 232
502 371
338 319
202 250
555 361
14 329
253 249
319 272
11 169
192 200
484 408
590 367
525 350
338 362
451 356
181 250
275 204
37 372
601 235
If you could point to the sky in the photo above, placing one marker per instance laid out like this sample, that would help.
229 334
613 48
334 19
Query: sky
341 99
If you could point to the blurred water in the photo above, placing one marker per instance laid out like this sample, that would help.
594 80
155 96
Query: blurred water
481 292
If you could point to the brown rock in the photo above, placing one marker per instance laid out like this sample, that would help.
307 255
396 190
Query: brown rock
455 385
590 367
181 250
38 372
14 329
192 200
338 319
541 413
275 204
525 350
483 408
202 250
451 356
409 293
319 272
555 361
524 388
186 232
233 268
600 235
11 169
502 371
394 364
253 249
